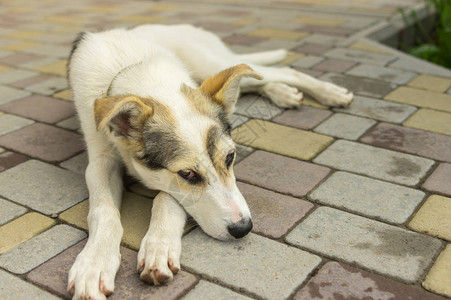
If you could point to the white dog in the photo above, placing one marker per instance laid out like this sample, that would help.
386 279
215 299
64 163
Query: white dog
139 101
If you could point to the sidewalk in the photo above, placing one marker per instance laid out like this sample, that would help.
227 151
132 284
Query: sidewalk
347 203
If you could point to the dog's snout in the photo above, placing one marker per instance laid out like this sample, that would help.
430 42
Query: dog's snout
241 228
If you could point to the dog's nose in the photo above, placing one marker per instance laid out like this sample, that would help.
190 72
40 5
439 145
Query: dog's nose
241 228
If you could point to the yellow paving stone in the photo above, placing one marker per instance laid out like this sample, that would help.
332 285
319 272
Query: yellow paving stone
431 83
364 46
65 95
22 229
24 35
19 9
4 69
430 120
245 21
101 9
420 98
77 215
373 9
281 139
70 29
56 68
434 217
19 46
163 7
318 21
141 19
278 34
63 19
1 113
291 58
438 280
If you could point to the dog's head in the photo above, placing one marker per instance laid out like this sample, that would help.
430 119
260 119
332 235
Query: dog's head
185 150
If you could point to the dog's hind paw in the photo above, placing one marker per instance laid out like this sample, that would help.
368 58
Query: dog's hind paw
92 275
159 259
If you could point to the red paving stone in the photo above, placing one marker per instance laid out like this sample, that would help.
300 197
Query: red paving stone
11 159
312 49
17 59
241 39
305 117
440 180
334 65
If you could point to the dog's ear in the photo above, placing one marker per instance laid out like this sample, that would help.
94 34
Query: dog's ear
224 87
122 115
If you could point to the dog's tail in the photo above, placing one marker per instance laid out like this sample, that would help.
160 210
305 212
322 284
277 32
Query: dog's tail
264 58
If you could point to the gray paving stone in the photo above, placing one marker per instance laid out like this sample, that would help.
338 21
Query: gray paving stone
254 264
43 187
345 126
411 63
10 94
77 163
360 56
372 245
256 106
305 117
14 288
40 248
49 87
2 150
308 61
323 39
48 49
375 162
9 123
237 120
16 75
242 152
71 123
360 86
382 73
208 291
10 211
373 198
378 109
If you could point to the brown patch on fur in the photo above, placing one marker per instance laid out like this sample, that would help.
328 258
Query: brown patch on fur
199 101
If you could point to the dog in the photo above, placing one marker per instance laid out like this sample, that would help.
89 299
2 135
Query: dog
158 99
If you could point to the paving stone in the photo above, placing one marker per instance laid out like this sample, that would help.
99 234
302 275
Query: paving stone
419 142
279 34
438 279
53 50
22 229
335 65
40 108
360 86
323 39
382 73
438 181
40 248
278 173
431 83
16 75
378 109
242 152
319 21
208 291
12 287
305 117
369 47
311 49
313 73
373 198
135 217
375 162
237 120
345 126
64 95
307 61
411 63
241 39
53 189
372 245
339 281
360 56
417 97
273 214
9 123
11 159
337 31
433 217
77 163
140 189
280 139
10 94
239 263
48 87
52 276
22 84
10 211
44 142
256 106
57 68
17 58
430 120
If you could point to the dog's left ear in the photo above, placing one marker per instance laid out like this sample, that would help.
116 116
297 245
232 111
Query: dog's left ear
122 115
224 87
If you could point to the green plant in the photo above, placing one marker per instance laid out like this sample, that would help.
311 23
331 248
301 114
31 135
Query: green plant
437 49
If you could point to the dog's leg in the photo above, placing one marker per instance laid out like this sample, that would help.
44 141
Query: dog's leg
92 275
159 254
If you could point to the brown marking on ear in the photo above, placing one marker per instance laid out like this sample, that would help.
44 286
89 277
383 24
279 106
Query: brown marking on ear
199 101
221 87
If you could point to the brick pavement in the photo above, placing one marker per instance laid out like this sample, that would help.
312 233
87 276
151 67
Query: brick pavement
347 203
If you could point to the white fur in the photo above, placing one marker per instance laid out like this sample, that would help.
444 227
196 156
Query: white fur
154 61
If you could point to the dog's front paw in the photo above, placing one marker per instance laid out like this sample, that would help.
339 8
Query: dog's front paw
333 95
92 275
283 95
159 258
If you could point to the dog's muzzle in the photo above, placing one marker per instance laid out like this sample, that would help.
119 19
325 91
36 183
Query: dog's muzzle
241 228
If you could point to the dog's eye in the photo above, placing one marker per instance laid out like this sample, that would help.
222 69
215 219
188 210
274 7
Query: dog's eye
229 158
190 176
